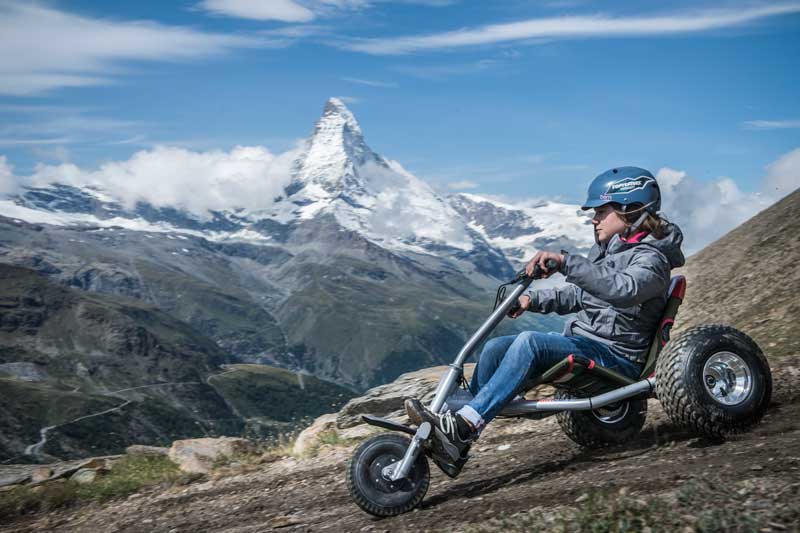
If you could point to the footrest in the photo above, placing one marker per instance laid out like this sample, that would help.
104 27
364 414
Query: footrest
387 424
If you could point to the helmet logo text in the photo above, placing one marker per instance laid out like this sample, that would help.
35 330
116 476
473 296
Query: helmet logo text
628 185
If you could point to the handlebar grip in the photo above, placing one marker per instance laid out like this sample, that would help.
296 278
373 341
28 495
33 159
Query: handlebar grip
537 270
551 264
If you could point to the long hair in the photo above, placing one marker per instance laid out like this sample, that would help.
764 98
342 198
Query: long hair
656 225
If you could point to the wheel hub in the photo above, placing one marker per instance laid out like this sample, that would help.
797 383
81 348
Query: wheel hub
727 378
378 470
612 413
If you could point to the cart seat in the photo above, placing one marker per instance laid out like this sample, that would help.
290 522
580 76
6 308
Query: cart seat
582 373
677 290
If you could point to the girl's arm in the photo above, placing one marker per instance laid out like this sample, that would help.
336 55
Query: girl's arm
562 300
646 277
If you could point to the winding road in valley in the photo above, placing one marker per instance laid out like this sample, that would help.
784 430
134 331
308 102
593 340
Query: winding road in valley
35 450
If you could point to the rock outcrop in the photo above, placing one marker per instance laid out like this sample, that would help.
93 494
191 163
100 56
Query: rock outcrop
198 456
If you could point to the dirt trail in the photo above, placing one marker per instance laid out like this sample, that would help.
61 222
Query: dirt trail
517 465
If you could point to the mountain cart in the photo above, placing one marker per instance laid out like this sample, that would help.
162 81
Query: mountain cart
712 380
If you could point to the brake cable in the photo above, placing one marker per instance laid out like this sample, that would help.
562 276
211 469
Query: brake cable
501 290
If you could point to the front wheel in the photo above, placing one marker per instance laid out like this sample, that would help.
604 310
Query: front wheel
714 380
374 492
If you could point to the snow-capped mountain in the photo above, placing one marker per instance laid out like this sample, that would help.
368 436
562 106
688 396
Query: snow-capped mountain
337 174
521 230
340 175
356 272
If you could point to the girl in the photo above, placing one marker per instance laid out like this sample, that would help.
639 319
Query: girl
618 293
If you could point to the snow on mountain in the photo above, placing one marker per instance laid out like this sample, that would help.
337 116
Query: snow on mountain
337 174
520 230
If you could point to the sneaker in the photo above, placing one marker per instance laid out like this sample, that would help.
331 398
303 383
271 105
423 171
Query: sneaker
452 431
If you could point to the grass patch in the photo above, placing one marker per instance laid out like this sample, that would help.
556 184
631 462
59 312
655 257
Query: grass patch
327 438
698 506
128 475
332 438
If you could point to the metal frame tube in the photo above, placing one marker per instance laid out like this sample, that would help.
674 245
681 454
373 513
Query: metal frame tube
519 408
601 400
536 406
457 367
404 466
450 380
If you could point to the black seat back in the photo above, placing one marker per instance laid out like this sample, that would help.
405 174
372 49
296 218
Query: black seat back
675 294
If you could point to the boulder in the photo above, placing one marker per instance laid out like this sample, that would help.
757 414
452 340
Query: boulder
197 456
84 476
69 469
149 451
309 436
9 478
361 432
387 400
41 473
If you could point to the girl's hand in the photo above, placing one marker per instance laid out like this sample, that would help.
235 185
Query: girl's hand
540 259
523 302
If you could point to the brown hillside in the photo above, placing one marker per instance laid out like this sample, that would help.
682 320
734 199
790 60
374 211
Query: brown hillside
750 279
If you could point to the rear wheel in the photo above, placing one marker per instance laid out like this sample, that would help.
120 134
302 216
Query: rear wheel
613 424
372 490
714 380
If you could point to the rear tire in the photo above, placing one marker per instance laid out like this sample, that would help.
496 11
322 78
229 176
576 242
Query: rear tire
608 426
374 493
714 381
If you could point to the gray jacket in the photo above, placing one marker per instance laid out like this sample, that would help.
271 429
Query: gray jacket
619 292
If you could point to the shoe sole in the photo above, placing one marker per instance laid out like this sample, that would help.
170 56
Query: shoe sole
413 415
417 418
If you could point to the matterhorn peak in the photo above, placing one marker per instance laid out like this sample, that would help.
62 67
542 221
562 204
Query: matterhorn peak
334 152
337 130
337 114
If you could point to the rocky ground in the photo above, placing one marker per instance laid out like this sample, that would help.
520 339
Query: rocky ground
524 475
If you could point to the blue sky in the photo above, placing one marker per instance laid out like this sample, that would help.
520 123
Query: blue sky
518 98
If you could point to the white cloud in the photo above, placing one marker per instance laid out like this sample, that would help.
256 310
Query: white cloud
44 48
772 124
29 142
281 10
68 124
463 184
572 27
297 10
284 10
783 176
8 184
706 211
249 177
371 83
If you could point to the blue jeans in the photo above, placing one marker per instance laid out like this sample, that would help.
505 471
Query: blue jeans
507 362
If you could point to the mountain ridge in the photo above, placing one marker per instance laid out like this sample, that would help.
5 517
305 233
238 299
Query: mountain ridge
239 276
